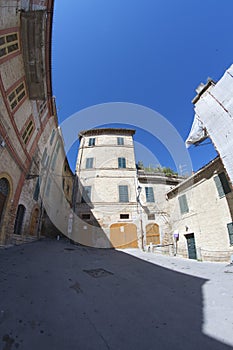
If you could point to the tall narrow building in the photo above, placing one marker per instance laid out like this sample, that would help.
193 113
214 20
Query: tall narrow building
107 188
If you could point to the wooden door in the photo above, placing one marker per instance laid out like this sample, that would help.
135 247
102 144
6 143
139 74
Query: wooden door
34 222
123 235
152 234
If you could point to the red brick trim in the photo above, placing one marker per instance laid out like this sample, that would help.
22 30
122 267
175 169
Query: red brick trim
18 190
9 30
10 114
12 150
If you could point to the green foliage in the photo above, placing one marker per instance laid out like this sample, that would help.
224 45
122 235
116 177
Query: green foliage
150 169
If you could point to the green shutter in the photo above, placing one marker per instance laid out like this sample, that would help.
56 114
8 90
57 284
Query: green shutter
230 231
120 141
86 196
183 204
121 163
225 183
149 194
89 163
222 184
123 194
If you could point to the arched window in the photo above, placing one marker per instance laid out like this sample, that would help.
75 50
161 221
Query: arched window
4 191
19 219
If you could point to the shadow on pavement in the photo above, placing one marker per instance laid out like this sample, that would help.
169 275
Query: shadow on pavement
55 295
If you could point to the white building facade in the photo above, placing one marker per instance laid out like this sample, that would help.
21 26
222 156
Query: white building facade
107 188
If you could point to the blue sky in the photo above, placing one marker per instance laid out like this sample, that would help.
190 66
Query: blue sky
149 52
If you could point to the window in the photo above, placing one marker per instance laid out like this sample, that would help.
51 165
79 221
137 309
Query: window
183 204
91 141
89 163
17 95
121 163
52 137
8 43
149 194
120 141
28 131
151 216
222 184
44 159
124 216
86 216
86 197
48 187
55 156
230 232
37 190
42 107
123 194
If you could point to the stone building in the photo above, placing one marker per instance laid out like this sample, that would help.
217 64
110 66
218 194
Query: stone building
201 209
154 213
118 206
28 119
107 182
213 106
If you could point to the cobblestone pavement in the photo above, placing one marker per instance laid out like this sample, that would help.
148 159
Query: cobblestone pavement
55 295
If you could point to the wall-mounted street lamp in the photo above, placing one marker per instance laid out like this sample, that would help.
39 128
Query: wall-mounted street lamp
139 189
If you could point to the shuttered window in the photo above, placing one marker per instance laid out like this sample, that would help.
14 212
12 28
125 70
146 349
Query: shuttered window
86 197
89 163
120 141
121 163
149 194
55 155
183 204
91 141
222 184
48 186
123 194
52 137
230 232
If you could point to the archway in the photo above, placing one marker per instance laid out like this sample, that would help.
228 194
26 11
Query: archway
19 219
4 192
34 222
152 234
123 235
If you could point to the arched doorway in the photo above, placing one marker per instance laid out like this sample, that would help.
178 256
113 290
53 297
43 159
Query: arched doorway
19 219
4 192
123 235
152 234
34 222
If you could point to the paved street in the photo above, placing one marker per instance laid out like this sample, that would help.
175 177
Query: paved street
55 295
